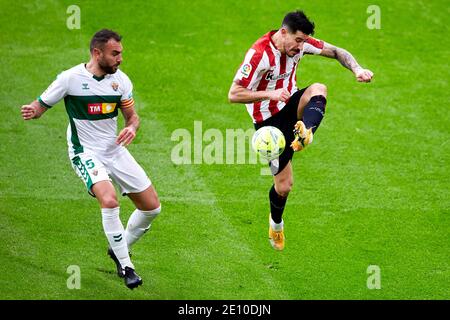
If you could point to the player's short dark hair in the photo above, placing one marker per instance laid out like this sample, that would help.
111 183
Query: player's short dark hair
297 20
101 37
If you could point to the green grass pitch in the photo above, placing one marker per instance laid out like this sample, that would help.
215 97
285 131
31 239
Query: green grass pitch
373 188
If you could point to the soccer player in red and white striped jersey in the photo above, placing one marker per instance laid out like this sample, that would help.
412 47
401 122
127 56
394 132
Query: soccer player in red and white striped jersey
266 83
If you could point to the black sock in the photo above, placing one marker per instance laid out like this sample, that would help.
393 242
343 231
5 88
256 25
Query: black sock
314 112
277 204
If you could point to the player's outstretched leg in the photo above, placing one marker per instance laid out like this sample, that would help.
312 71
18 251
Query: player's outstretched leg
311 110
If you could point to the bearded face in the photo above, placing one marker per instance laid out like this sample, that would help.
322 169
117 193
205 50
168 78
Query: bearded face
110 56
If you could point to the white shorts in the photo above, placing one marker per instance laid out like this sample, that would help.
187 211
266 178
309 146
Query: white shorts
121 168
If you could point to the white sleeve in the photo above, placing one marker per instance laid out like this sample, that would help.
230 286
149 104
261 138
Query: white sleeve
56 91
313 46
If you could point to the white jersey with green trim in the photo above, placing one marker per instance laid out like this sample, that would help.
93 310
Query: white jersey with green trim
92 104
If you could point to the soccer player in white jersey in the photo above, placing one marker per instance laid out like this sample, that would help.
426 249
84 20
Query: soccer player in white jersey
266 83
93 93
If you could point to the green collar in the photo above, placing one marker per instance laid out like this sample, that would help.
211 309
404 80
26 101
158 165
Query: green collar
98 78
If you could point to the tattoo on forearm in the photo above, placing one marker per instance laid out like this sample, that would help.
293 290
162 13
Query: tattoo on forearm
346 59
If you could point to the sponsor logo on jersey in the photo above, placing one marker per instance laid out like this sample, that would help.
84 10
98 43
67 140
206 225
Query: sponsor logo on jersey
85 86
101 108
115 86
271 77
246 69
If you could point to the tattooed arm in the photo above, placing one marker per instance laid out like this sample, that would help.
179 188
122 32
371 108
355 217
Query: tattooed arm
348 61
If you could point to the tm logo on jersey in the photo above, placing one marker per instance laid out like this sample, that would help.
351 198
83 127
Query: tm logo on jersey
101 108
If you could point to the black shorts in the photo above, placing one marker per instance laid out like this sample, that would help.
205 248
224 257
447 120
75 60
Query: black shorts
284 120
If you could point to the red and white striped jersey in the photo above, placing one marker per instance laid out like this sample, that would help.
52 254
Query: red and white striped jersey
265 68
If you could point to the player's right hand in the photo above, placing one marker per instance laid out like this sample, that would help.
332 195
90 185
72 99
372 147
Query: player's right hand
363 75
28 112
279 95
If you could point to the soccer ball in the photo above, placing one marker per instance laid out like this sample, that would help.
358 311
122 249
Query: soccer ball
269 142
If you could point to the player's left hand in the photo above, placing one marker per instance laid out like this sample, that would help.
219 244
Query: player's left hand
126 136
363 75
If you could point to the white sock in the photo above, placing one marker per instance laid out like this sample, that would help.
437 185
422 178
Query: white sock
139 223
276 226
115 234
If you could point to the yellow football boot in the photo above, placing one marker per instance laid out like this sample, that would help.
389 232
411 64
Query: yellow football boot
303 136
276 238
